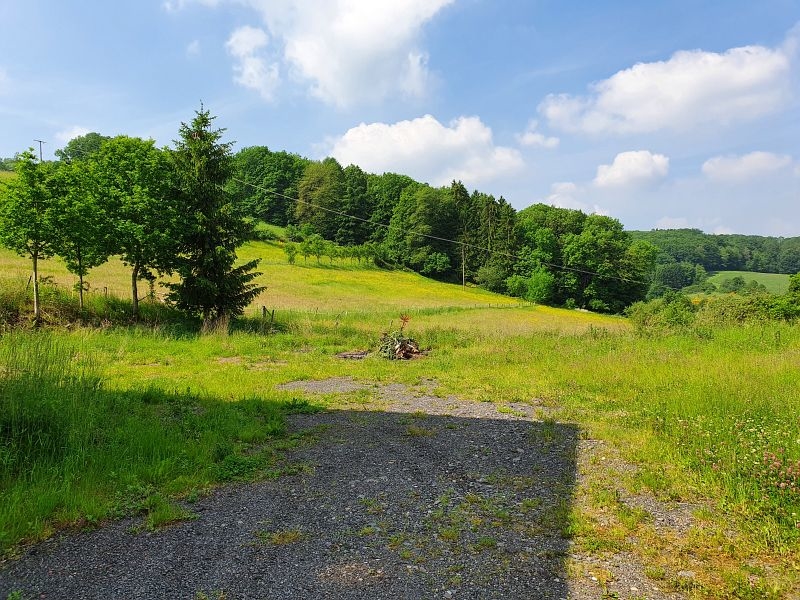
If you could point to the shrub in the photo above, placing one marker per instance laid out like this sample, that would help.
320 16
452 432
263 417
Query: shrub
517 286
491 277
671 311
734 309
540 286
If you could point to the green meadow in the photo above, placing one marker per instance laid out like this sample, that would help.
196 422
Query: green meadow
117 419
775 283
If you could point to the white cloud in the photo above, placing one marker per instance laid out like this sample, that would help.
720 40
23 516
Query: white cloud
252 70
632 168
565 194
672 223
193 48
691 88
3 80
531 137
348 51
427 150
173 6
66 135
745 167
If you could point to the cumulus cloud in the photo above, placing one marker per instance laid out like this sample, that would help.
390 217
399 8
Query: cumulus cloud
252 70
348 51
745 167
193 48
566 194
632 168
690 88
71 133
173 6
532 137
672 223
427 150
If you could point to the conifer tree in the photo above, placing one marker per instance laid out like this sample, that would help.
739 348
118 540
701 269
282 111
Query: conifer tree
211 286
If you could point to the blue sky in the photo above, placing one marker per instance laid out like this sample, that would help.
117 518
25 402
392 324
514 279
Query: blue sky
661 114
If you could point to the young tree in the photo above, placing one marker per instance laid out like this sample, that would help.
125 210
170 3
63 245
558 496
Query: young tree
80 224
133 182
24 218
211 286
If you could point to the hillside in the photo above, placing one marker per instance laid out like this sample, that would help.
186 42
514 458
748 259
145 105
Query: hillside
726 252
348 292
776 283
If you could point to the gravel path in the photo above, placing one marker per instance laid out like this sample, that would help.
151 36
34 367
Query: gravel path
428 498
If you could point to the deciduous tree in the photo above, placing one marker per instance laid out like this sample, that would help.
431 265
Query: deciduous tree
25 225
133 178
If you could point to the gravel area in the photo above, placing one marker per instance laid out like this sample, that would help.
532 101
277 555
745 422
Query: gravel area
426 498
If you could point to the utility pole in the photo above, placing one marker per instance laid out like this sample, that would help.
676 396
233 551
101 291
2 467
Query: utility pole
40 148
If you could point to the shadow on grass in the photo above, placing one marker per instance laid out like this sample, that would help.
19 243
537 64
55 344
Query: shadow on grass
386 505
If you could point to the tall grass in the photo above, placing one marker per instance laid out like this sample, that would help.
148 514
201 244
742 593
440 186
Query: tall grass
73 452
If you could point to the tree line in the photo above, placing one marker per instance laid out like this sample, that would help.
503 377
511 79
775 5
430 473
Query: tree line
725 252
162 211
544 254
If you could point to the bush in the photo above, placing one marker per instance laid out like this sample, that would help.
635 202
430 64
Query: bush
517 286
671 311
540 286
734 309
491 277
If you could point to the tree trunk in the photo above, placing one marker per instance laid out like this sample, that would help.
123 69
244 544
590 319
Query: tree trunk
80 291
37 314
80 279
135 290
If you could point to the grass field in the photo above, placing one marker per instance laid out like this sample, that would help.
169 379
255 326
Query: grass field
305 286
709 420
775 283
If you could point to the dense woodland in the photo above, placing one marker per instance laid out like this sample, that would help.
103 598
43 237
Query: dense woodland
122 189
725 252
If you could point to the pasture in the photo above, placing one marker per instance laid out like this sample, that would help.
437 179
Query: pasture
776 283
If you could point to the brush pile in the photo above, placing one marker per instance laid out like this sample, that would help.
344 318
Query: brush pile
396 346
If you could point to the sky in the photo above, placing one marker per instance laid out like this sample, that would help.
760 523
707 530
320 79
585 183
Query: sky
662 114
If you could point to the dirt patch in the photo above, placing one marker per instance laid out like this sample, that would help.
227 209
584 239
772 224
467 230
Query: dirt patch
229 360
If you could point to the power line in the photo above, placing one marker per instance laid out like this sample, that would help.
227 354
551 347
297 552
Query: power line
434 237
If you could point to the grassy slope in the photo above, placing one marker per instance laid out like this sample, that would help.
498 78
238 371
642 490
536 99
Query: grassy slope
307 285
774 282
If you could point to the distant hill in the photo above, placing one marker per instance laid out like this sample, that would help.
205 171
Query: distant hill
725 252
775 283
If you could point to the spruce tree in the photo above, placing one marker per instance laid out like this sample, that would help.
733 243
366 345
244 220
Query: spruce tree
211 286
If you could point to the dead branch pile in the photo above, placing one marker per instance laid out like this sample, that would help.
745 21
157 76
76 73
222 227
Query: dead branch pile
395 346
